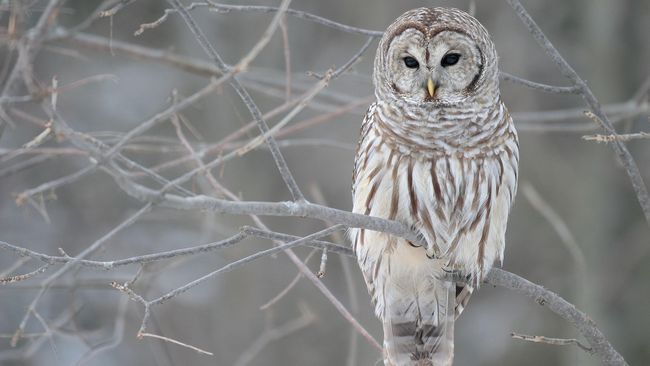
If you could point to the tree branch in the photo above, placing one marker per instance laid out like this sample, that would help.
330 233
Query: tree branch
563 66
567 311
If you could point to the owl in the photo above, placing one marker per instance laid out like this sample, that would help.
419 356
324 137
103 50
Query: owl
438 152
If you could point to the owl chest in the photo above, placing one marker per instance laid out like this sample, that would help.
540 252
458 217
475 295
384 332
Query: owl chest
428 192
452 201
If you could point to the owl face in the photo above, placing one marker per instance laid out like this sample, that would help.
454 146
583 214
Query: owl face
443 68
435 56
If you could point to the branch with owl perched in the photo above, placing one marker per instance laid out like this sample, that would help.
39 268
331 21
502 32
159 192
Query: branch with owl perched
599 345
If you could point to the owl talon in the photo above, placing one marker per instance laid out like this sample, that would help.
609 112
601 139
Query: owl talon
413 245
455 275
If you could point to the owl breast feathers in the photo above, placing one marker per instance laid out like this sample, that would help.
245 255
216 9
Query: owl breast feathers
438 151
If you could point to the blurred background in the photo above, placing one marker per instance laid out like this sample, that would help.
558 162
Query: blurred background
577 227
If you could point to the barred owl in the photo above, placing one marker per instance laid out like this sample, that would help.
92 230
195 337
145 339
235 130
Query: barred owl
438 151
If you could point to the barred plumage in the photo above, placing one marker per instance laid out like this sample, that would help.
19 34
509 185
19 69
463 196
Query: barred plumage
445 164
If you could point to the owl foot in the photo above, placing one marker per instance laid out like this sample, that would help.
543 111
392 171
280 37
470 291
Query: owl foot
455 275
433 252
413 245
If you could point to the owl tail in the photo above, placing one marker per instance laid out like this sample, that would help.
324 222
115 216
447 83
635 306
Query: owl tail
419 329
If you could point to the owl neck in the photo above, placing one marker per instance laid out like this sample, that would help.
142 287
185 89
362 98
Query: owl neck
464 128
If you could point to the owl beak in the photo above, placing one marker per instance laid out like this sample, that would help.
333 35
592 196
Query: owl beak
431 87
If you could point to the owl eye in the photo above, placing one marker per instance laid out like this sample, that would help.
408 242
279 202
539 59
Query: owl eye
450 59
411 62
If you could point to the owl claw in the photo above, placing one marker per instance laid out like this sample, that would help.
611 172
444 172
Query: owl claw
456 275
413 245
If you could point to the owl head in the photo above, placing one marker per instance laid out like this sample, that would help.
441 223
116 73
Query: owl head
435 57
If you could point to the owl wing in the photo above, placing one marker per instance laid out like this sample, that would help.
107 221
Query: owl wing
361 156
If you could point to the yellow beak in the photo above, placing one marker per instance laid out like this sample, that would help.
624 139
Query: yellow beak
431 88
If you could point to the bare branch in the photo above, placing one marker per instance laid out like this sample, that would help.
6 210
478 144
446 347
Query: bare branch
623 137
113 10
287 57
274 334
231 266
278 126
553 341
224 8
116 338
30 43
162 116
295 209
26 276
67 266
148 258
154 24
599 344
558 225
246 98
14 267
323 264
350 62
54 184
170 340
537 86
288 288
619 148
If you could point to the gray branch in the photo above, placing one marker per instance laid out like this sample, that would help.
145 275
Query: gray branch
563 66
579 320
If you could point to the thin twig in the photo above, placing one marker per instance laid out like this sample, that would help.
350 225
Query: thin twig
278 126
287 57
141 259
623 137
295 209
537 86
67 266
31 42
231 266
116 337
351 359
162 116
290 286
553 341
471 8
154 24
246 98
112 11
17 264
171 254
48 332
563 66
26 276
323 264
54 184
273 334
170 340
558 225
353 60
224 8
584 324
